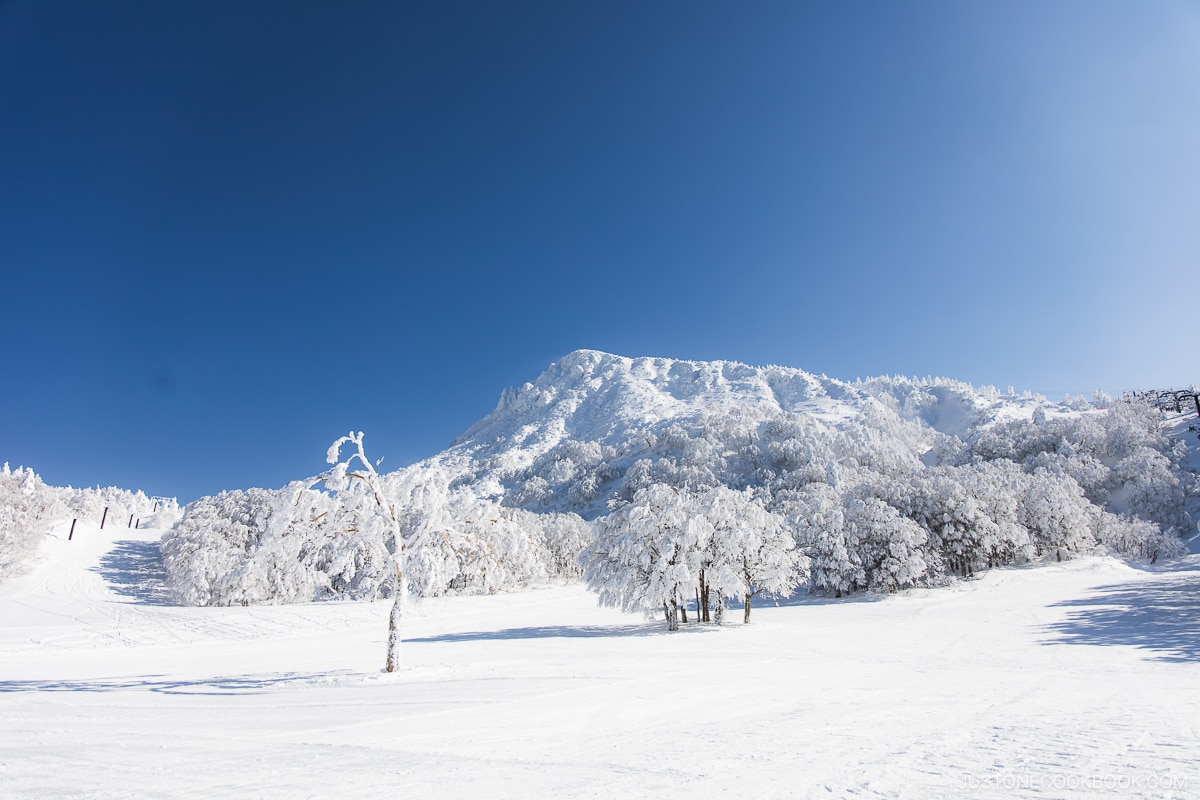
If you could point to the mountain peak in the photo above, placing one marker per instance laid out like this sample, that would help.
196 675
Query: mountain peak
591 408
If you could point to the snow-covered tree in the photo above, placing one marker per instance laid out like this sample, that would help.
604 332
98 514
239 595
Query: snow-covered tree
891 546
751 551
337 479
27 508
1055 512
819 523
1135 538
647 552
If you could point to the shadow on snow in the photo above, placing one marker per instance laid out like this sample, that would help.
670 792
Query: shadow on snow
1160 615
560 632
135 570
241 684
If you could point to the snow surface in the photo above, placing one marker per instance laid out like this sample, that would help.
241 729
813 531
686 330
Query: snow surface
1069 680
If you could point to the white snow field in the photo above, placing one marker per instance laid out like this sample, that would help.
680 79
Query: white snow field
1079 679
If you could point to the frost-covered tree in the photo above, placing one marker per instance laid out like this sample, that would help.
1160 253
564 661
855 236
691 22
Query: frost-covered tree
1136 538
337 479
890 546
819 523
1056 513
27 508
971 515
751 552
1119 458
295 544
646 552
433 542
560 538
212 556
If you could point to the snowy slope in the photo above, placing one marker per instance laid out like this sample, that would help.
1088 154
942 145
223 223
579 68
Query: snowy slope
1071 680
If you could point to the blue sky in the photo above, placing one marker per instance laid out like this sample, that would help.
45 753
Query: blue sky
230 232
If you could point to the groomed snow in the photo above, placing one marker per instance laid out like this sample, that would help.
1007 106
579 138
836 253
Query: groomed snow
1067 680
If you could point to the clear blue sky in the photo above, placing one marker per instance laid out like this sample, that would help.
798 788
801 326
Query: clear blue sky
232 231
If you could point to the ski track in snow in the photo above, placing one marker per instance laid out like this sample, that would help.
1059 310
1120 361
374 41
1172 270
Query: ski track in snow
1066 680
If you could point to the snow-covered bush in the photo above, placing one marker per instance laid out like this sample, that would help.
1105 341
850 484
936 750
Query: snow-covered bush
124 507
300 544
257 546
27 508
1135 537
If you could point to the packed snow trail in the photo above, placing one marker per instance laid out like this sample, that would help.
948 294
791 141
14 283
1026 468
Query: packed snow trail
1068 680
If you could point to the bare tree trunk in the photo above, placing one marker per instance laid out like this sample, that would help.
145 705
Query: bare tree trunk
746 620
673 616
719 611
337 480
704 595
394 620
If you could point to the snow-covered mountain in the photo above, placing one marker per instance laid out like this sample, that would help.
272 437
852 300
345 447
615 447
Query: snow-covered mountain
879 483
564 440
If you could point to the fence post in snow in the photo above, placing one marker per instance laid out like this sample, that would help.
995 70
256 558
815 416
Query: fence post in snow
103 518
130 525
137 524
71 535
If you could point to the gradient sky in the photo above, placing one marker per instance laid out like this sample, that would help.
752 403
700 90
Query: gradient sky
232 231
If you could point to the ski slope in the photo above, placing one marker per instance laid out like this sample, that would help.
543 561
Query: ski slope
1065 680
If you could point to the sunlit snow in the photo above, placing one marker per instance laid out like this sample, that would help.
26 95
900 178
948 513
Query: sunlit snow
1076 679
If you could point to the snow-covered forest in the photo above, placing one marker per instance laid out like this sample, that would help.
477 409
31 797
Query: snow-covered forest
663 482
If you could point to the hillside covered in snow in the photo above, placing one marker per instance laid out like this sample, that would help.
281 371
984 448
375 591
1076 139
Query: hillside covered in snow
29 508
872 485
